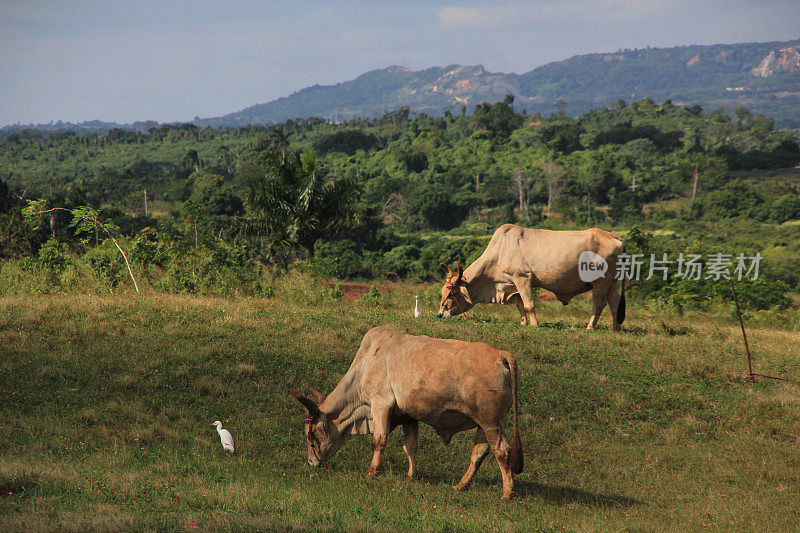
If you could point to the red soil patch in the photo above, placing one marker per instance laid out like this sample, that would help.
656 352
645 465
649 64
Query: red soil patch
354 290
546 296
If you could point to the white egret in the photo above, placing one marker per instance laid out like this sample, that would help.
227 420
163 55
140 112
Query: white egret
224 436
417 308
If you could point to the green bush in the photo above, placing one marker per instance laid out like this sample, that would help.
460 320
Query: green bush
785 208
106 263
341 259
400 260
371 297
53 256
338 291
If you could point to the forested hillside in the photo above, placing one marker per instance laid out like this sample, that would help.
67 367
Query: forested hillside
394 196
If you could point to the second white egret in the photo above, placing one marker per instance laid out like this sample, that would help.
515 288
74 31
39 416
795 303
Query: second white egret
224 436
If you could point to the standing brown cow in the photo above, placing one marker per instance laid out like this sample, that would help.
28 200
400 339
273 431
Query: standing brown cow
517 260
398 379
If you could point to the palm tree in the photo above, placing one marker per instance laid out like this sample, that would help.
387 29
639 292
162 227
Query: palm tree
292 203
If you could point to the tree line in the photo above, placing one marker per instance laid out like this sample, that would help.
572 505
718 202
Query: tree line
372 197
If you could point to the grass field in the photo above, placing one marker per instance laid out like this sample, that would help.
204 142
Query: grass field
106 404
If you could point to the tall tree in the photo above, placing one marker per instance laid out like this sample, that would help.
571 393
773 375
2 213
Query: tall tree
292 203
554 177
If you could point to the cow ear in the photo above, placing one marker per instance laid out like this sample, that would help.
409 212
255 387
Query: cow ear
460 272
318 395
446 269
309 404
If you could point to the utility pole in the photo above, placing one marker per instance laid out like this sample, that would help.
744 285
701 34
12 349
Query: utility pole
145 202
694 186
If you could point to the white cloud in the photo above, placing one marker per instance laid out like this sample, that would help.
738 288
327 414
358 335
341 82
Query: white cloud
492 16
544 14
459 17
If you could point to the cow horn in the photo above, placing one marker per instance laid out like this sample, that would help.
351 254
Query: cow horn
460 271
318 395
446 269
309 404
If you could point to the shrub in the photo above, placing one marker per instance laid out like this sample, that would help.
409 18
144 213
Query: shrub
448 251
400 260
106 263
439 208
784 208
263 291
373 296
338 291
735 199
53 256
340 259
757 294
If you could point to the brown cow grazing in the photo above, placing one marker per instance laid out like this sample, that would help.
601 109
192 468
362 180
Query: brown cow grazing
517 260
398 379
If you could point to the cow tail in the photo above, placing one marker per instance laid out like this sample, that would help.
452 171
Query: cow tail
623 284
515 459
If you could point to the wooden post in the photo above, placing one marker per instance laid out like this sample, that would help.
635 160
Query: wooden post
145 202
694 186
750 374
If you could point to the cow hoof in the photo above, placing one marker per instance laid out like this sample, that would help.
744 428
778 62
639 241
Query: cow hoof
509 495
372 473
462 487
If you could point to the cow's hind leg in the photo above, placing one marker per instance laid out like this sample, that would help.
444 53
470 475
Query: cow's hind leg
613 303
380 434
410 435
479 451
598 303
501 449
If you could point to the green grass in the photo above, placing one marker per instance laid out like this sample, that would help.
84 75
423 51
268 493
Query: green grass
106 404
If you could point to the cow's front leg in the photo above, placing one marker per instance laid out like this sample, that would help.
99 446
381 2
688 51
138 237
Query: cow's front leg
480 450
380 434
410 436
523 316
525 304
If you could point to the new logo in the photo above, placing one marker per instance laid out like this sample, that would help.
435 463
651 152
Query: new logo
591 266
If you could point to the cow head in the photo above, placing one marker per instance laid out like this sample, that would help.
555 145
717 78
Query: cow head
322 436
455 296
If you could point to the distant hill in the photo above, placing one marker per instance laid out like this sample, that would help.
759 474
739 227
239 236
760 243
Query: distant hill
378 91
764 77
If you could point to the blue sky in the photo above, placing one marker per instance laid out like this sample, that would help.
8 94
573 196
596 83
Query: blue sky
170 61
